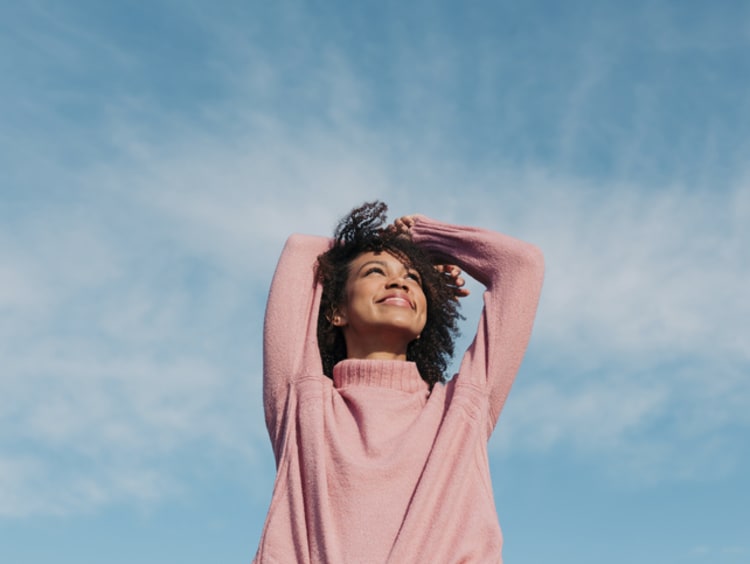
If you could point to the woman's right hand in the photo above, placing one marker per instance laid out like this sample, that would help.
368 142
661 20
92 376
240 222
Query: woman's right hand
403 224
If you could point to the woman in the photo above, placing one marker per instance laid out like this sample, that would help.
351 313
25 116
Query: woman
379 460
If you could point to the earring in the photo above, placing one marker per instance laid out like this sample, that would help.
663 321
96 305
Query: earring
332 316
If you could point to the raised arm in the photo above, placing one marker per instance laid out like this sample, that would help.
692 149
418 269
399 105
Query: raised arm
290 346
512 272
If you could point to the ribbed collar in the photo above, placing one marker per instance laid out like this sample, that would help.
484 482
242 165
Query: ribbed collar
394 374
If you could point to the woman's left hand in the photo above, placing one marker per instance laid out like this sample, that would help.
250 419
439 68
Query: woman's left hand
402 226
455 281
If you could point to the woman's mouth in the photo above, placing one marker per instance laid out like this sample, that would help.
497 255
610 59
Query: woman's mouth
399 301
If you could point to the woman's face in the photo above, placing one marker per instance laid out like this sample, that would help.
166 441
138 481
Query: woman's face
384 305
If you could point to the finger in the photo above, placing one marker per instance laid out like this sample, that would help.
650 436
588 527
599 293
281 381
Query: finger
459 293
402 225
408 220
450 269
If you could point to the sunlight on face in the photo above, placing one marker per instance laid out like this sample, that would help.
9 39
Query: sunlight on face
384 306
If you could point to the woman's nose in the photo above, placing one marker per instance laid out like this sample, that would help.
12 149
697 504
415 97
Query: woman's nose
397 282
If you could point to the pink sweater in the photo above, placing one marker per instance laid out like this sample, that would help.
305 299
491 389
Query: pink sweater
371 467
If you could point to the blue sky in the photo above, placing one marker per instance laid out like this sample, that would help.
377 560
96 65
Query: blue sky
156 155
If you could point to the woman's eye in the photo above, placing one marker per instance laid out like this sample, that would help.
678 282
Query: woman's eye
414 276
374 269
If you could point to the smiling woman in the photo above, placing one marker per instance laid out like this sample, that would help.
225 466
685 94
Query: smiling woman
385 308
359 236
378 459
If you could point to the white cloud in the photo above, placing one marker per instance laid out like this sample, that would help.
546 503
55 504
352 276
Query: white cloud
643 311
718 551
641 338
655 272
17 285
32 486
545 414
636 279
118 363
121 359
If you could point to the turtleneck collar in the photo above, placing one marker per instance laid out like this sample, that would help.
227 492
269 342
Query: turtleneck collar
394 374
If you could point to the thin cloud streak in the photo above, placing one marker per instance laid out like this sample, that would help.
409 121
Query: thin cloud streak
114 301
627 279
112 373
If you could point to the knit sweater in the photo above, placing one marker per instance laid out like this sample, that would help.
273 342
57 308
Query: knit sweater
372 467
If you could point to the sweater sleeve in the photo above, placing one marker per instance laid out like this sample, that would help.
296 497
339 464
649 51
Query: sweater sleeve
290 345
512 272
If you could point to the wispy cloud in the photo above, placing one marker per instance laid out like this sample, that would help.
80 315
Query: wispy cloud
112 369
641 331
724 553
132 290
637 280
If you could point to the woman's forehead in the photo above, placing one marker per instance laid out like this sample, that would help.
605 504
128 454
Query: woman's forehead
387 257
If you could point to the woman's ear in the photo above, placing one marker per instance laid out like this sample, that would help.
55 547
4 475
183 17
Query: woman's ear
337 318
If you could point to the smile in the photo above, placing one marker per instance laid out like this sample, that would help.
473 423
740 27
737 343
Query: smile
397 300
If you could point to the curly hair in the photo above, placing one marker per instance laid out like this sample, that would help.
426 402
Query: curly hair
365 230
